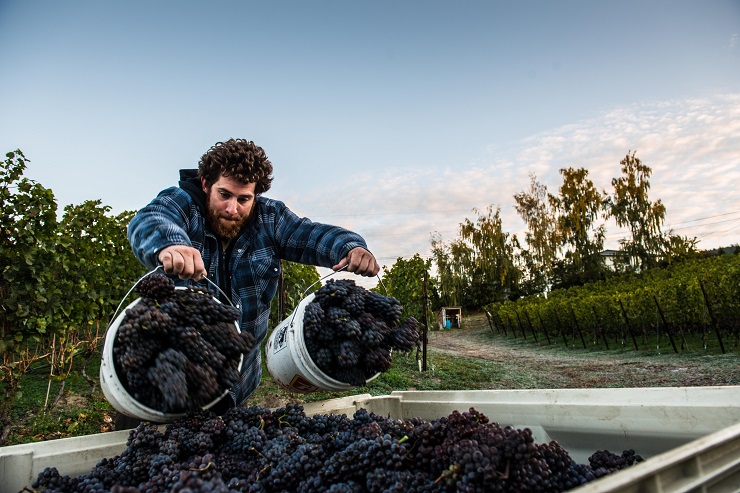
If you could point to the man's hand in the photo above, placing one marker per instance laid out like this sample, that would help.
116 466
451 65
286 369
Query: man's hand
183 261
359 261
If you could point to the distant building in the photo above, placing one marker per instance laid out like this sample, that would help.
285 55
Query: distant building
449 317
610 258
614 259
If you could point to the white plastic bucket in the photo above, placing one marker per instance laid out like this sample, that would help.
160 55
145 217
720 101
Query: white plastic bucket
289 362
117 395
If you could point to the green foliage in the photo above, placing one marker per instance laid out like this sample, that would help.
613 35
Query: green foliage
448 259
494 274
480 266
691 303
95 269
298 281
96 264
631 208
535 208
677 248
27 262
60 281
564 241
405 282
578 207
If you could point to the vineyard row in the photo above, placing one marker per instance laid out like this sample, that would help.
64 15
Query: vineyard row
694 304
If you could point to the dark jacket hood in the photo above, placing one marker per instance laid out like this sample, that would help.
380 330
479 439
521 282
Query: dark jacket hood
190 182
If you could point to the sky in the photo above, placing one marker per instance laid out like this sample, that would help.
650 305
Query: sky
396 119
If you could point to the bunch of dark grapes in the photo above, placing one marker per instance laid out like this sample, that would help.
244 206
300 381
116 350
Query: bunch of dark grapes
177 350
259 450
157 287
604 462
350 332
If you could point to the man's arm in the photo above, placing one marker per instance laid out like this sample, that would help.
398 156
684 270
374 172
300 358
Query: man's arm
324 245
159 225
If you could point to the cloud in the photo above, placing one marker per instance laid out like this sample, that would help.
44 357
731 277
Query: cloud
691 145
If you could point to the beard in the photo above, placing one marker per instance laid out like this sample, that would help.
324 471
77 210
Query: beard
224 226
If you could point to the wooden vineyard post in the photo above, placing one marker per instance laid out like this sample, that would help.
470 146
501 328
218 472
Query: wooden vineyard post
711 317
531 328
560 328
521 327
598 330
425 324
667 328
578 327
629 327
529 321
510 325
492 322
281 289
542 326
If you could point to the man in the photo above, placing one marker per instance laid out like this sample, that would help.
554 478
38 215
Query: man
218 224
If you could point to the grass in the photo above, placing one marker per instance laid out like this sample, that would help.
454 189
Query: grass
443 373
84 410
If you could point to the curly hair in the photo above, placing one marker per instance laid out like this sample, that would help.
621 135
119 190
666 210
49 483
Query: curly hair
239 159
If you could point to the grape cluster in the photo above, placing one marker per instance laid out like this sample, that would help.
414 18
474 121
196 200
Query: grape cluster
350 332
259 450
604 462
157 287
178 349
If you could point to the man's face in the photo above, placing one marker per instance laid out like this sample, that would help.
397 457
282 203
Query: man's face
230 203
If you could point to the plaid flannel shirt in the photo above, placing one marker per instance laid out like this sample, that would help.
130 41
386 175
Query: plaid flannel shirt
252 261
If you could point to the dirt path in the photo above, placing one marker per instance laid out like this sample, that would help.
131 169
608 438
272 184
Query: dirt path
558 367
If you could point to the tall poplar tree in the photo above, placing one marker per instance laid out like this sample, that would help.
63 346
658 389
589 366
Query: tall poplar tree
493 273
578 207
535 209
632 208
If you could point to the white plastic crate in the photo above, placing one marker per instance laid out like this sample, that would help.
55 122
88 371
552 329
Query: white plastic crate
690 436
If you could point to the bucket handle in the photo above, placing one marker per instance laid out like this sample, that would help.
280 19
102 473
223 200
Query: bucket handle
331 274
334 272
160 266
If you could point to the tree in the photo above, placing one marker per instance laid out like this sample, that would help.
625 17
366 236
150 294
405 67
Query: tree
479 267
405 282
494 275
448 262
631 208
678 248
535 208
578 206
